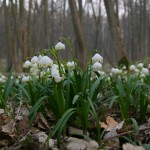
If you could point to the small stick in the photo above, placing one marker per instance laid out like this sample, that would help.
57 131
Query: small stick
124 133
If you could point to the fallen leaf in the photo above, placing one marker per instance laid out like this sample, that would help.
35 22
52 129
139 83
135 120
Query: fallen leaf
111 124
9 128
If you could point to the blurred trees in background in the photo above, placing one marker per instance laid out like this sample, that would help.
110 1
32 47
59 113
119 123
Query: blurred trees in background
27 26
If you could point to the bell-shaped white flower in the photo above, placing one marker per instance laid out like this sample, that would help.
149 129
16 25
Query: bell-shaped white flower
96 66
59 46
27 64
55 74
145 71
140 65
71 65
132 68
45 61
116 71
34 59
25 78
97 58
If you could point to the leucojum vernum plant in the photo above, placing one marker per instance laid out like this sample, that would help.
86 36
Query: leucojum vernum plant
73 94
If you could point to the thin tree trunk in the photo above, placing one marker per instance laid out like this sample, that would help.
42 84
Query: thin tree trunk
22 30
29 29
46 23
116 31
78 33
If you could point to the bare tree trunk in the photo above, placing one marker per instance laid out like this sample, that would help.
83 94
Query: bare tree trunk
12 52
8 35
22 30
97 20
78 33
116 32
29 29
46 23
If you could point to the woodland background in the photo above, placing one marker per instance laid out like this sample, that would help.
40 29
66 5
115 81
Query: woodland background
116 28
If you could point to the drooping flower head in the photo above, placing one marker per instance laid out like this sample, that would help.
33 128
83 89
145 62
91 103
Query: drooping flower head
140 65
45 61
97 58
27 64
71 65
97 66
132 68
59 46
34 59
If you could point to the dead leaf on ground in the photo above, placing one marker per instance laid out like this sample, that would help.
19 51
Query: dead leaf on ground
111 124
9 128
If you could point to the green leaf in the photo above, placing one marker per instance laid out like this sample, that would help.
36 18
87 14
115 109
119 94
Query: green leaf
146 146
25 92
94 88
8 85
135 125
34 109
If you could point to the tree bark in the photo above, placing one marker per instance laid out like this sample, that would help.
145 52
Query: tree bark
78 33
22 30
29 51
116 31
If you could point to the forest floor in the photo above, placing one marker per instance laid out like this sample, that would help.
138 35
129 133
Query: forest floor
15 133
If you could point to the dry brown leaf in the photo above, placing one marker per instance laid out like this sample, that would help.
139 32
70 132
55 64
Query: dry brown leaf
9 128
111 124
42 122
24 125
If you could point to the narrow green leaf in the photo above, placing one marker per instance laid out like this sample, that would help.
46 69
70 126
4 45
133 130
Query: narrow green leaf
135 125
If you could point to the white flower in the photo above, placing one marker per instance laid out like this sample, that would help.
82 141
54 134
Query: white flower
137 70
148 65
55 74
71 65
45 61
140 65
97 57
39 57
124 67
1 80
145 71
27 64
25 78
59 46
116 71
132 68
34 65
34 59
97 66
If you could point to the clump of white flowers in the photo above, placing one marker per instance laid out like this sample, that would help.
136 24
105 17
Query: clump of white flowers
45 61
59 46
